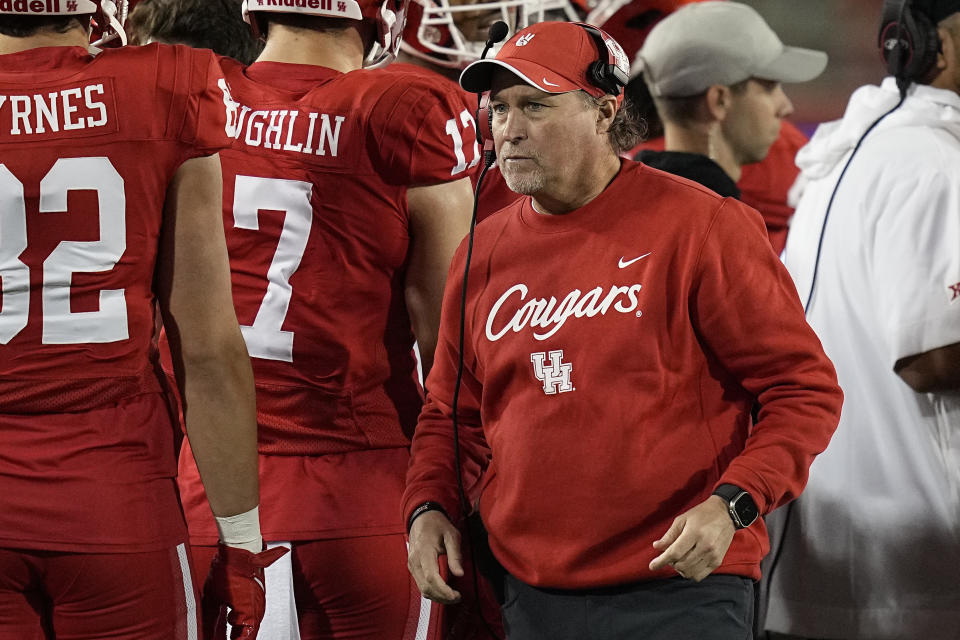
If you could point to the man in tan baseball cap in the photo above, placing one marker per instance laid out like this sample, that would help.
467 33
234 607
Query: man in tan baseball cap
714 70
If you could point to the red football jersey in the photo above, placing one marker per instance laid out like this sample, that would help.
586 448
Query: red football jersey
318 234
88 147
494 192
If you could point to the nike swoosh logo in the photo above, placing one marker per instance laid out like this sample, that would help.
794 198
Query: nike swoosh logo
626 263
547 82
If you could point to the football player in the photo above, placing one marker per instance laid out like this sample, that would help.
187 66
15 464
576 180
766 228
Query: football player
110 219
442 37
345 195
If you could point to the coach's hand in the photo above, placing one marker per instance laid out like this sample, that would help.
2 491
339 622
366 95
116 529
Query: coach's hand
236 581
697 541
431 536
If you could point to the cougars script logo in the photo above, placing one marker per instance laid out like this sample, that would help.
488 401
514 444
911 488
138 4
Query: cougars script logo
514 312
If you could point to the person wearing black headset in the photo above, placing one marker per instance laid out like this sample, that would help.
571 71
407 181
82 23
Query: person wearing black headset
872 548
616 327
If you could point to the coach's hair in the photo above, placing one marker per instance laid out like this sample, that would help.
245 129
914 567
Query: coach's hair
207 24
26 26
627 128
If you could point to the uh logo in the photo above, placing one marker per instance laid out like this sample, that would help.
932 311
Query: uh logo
525 39
554 376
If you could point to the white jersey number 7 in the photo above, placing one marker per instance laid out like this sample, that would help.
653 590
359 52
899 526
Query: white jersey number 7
265 337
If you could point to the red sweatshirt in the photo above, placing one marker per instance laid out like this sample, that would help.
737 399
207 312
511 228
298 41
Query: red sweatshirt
763 185
612 357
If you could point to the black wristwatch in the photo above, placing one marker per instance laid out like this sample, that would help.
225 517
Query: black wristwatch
743 510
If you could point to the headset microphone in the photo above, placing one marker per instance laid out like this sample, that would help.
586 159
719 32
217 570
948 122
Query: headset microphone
497 32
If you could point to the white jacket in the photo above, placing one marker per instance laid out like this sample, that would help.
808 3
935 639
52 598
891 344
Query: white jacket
873 546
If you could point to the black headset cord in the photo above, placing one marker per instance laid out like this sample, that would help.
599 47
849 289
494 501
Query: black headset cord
836 188
774 561
498 31
461 491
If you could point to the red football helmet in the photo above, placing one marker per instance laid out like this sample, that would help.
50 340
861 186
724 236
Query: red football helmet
452 33
108 15
629 21
389 16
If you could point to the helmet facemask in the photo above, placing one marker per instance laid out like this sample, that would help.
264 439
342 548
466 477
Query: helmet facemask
109 21
453 34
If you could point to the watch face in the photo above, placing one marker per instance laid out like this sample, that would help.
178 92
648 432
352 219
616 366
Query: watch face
746 509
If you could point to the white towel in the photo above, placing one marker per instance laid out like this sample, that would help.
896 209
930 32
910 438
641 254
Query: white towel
280 620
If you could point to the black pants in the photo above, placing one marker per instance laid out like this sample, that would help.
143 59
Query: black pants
718 608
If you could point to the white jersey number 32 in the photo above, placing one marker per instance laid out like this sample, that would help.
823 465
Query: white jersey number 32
60 324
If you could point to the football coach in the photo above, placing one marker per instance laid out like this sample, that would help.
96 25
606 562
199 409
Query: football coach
619 324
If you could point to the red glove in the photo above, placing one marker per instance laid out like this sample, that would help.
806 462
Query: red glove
236 581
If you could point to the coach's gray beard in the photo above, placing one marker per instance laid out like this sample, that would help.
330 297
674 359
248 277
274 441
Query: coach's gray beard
527 183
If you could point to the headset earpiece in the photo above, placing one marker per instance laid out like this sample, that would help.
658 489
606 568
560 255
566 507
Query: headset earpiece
484 122
597 74
604 73
484 119
908 41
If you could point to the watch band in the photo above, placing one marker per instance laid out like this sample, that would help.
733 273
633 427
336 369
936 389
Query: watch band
740 505
728 492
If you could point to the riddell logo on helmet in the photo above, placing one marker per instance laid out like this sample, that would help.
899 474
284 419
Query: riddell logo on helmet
326 5
37 6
